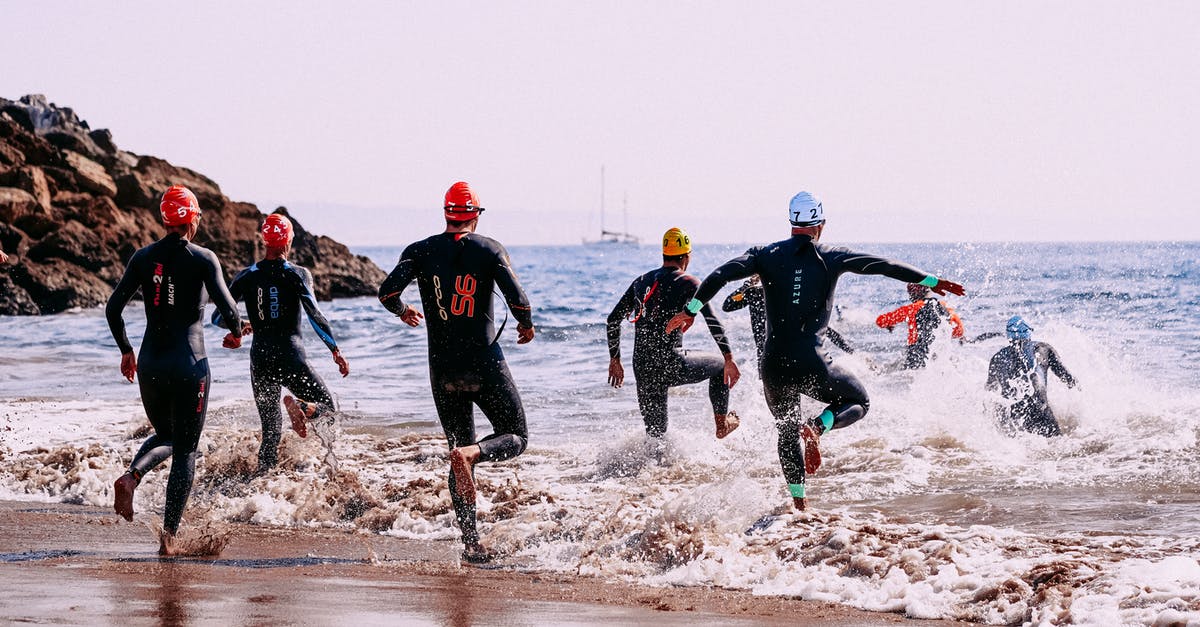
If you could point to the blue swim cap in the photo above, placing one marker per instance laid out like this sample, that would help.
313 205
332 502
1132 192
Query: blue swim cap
1017 329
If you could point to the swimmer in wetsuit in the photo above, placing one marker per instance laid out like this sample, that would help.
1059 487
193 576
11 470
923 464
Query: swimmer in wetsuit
659 360
799 277
172 367
1018 372
923 315
275 291
456 272
750 295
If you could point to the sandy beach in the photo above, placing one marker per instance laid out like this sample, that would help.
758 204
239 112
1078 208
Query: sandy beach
72 564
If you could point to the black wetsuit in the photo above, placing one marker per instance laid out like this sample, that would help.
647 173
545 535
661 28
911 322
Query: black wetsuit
275 290
659 360
799 277
173 375
1018 371
456 274
750 294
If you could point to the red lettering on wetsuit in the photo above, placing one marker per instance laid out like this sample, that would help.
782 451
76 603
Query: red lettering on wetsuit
200 395
158 279
464 299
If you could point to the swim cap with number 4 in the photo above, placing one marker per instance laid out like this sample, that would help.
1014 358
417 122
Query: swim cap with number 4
277 231
178 206
676 242
805 210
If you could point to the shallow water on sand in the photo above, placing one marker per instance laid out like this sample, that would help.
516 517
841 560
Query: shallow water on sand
923 507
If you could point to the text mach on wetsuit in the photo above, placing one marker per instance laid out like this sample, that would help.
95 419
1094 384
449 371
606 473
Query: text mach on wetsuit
799 277
923 317
275 291
456 274
173 375
1018 371
659 360
750 295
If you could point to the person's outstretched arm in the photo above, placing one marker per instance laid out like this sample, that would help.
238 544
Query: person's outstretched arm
624 307
122 294
218 293
1057 367
391 288
738 299
861 263
235 292
741 267
515 296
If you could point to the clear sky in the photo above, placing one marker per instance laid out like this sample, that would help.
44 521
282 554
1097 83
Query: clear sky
912 121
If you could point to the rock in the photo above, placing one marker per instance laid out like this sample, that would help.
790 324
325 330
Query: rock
15 300
58 285
30 179
74 208
91 174
16 203
77 244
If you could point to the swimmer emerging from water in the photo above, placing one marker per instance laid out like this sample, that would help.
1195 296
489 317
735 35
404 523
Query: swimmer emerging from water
457 271
1018 372
659 360
172 367
799 276
923 316
275 291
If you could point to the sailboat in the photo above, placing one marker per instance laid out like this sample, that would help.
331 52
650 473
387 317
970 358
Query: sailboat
608 237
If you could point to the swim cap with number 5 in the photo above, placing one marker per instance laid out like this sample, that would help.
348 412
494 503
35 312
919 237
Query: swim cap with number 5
178 206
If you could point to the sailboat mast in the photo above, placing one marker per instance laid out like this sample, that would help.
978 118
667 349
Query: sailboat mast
602 199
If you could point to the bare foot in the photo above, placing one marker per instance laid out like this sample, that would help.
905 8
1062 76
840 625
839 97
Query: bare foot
166 544
727 424
123 496
476 554
812 449
462 464
800 502
299 411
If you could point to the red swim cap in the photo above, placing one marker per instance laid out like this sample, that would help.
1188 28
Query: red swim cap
461 203
179 206
277 231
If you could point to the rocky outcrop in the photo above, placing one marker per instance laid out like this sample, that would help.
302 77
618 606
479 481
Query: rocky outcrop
74 208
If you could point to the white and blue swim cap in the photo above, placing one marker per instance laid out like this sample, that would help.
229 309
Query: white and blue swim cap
1018 329
805 210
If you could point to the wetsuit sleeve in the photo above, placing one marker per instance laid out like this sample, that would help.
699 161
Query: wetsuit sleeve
843 260
955 322
214 282
996 372
898 315
122 294
714 327
235 293
1057 367
737 300
309 301
625 306
737 268
514 295
838 340
403 274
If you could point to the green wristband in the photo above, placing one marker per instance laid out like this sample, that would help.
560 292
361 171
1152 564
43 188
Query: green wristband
797 490
929 281
693 306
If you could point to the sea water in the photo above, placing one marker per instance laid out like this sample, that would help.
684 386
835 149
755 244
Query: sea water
923 507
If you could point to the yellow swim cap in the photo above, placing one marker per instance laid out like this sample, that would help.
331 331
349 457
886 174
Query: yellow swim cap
676 242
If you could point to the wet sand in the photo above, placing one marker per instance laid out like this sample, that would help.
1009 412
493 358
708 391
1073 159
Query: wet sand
80 564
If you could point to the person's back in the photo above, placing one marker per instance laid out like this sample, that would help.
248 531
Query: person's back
456 274
664 291
1019 373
